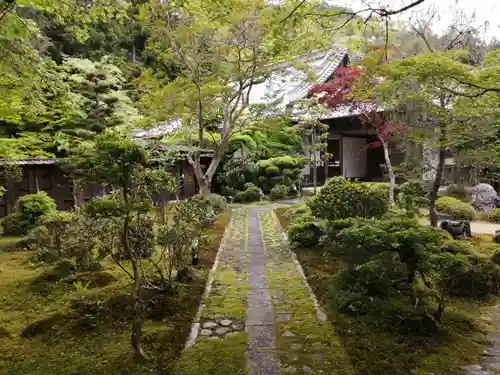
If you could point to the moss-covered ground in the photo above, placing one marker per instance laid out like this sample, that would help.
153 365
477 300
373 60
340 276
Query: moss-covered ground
304 342
55 322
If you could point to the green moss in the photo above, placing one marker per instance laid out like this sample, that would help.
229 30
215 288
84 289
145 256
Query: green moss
73 340
318 346
214 357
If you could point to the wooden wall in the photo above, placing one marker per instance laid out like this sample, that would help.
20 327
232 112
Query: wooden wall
50 178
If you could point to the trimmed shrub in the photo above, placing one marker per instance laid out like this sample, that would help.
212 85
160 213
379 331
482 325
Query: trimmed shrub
342 198
252 193
304 232
215 201
279 192
33 206
494 216
12 225
456 208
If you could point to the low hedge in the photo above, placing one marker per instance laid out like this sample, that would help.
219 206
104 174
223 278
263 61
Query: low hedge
456 208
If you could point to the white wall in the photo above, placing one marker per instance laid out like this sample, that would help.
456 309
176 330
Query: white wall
353 157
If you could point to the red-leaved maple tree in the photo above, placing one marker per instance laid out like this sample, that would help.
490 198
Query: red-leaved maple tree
335 94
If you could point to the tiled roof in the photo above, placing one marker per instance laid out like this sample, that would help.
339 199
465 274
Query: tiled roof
285 86
288 84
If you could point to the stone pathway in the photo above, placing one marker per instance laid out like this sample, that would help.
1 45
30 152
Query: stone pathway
259 289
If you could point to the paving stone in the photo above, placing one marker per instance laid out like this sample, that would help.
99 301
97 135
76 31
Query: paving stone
221 331
283 317
287 334
290 369
226 322
206 332
296 346
261 337
237 327
307 370
318 357
209 325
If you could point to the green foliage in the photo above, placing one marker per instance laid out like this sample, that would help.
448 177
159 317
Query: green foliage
342 198
51 234
215 202
32 207
279 192
282 170
304 232
412 196
252 193
12 225
494 216
456 208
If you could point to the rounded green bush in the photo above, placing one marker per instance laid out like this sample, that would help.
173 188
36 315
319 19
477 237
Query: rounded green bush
304 232
279 192
252 193
494 216
456 208
272 171
33 206
215 201
12 225
342 198
445 204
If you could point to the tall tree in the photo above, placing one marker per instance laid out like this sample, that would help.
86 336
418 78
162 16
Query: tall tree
224 49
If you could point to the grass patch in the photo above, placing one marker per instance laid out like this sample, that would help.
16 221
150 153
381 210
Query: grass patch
55 322
382 342
214 357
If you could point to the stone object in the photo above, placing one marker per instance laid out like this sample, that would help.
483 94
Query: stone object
209 325
457 229
290 369
205 332
287 334
237 327
221 331
226 322
484 197
307 370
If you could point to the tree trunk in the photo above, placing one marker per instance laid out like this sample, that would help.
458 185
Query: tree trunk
315 161
136 335
390 171
438 177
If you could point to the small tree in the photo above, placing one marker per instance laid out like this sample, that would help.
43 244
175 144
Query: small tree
316 134
114 159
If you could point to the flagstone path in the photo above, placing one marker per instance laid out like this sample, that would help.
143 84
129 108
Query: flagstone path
259 290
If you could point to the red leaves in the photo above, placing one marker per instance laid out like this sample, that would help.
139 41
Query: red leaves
335 91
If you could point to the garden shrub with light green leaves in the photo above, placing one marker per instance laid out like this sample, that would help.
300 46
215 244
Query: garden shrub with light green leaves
252 193
29 209
456 208
279 192
305 232
342 198
494 216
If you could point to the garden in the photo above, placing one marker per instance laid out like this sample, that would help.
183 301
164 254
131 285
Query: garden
83 289
392 285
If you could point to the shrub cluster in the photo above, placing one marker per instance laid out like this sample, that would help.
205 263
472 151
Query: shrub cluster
29 209
252 193
342 198
277 177
456 208
494 216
